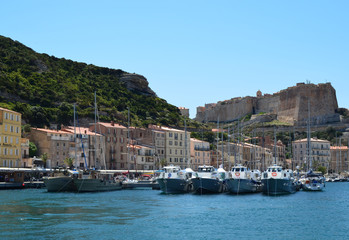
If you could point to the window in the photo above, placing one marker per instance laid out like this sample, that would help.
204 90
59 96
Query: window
6 115
11 129
5 127
11 140
170 135
170 142
17 129
17 118
57 144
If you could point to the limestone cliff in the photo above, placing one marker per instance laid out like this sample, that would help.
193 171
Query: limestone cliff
136 83
289 105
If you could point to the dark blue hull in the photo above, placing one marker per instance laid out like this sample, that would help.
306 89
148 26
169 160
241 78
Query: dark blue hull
207 185
273 186
237 186
174 185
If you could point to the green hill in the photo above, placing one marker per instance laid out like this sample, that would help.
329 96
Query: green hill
44 88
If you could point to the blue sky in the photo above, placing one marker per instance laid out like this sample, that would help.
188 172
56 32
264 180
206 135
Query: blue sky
194 52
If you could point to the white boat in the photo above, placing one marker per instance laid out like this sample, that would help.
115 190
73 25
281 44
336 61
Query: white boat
174 180
243 180
313 182
277 181
208 180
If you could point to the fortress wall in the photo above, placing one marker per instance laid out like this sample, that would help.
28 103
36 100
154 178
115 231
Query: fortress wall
290 105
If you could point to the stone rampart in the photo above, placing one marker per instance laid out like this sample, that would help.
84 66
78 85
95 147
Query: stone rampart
290 105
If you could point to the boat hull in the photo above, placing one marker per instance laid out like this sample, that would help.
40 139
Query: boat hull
96 185
313 186
174 185
273 186
207 185
243 186
60 184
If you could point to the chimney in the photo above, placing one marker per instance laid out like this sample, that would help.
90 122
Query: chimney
112 123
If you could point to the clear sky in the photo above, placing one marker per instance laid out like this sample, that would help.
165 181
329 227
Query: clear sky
194 51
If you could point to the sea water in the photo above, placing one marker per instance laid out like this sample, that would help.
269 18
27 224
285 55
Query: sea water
148 214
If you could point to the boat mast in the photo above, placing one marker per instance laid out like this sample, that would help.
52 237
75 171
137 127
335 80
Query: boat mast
309 138
186 144
128 139
274 145
222 147
228 148
76 158
95 140
217 141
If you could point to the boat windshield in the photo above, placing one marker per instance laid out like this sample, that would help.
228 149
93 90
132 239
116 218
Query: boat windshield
205 169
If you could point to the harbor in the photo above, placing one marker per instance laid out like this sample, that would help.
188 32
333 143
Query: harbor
139 214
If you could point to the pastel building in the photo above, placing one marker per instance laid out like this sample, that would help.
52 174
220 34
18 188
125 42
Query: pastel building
320 154
339 159
10 138
199 153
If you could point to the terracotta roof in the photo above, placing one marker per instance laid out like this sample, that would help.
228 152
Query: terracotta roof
312 140
50 131
338 147
80 130
109 125
8 110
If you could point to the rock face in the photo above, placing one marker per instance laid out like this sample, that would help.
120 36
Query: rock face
289 105
136 83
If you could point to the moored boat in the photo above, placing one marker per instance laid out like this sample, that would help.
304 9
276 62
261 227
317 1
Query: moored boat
277 181
313 182
61 181
97 181
243 180
174 180
208 180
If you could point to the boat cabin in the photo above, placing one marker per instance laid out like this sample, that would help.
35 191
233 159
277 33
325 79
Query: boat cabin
206 169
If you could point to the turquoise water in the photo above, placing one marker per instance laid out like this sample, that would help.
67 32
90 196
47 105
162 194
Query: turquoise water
148 214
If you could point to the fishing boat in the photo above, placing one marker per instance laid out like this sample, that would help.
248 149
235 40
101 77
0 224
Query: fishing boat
243 180
97 181
61 181
174 180
313 182
277 181
208 180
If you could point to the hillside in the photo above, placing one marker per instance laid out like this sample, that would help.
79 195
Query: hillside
44 88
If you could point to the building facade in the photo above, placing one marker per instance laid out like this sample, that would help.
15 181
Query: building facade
116 138
199 153
319 154
339 159
10 138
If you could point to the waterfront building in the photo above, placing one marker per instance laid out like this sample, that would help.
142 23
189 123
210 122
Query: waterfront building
250 155
339 159
279 151
87 148
177 145
54 143
142 157
10 138
25 159
160 147
115 144
199 153
319 153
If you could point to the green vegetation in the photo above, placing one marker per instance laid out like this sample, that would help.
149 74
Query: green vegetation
32 149
44 88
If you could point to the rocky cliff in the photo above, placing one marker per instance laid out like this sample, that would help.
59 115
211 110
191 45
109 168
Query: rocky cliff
289 105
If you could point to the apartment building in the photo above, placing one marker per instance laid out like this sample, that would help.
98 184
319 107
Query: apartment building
142 157
199 153
250 155
25 159
10 138
115 144
339 159
87 149
54 143
319 154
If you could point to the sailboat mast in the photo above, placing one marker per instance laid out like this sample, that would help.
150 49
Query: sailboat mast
128 138
95 148
309 138
274 145
222 148
186 144
75 158
228 148
217 140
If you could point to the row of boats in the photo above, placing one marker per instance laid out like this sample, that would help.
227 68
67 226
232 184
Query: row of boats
274 181
172 179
